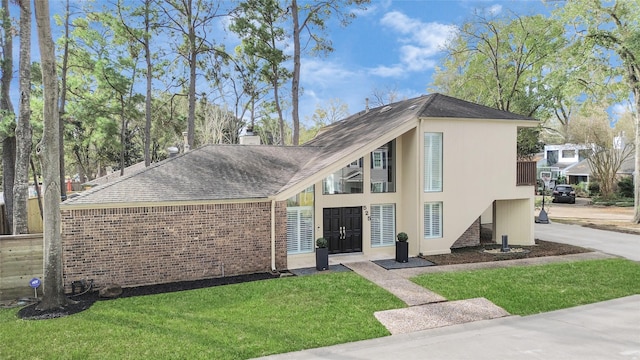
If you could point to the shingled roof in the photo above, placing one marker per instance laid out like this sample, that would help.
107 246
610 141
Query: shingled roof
228 172
212 172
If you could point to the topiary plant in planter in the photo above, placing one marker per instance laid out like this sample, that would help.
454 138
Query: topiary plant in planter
402 248
322 254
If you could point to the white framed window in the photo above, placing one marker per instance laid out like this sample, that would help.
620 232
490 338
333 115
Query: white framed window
432 162
432 220
378 159
383 225
299 229
378 187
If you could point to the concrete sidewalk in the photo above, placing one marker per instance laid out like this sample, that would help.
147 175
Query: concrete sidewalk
605 330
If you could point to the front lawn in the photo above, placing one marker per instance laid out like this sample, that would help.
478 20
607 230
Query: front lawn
225 322
535 289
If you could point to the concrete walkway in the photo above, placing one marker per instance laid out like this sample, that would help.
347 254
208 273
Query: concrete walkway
412 294
427 310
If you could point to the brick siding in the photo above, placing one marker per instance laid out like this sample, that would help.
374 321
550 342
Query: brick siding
161 244
471 237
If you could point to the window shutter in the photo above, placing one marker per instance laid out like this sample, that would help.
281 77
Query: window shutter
299 229
432 162
433 220
292 230
383 224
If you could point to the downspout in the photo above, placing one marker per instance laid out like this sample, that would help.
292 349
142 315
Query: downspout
273 235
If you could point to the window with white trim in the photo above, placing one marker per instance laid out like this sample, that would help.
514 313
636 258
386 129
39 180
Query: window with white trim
383 169
299 229
432 220
378 159
432 162
347 180
300 222
383 225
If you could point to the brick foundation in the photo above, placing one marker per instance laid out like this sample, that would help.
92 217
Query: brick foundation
471 237
161 244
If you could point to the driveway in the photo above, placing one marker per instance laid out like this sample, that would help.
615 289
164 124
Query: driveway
610 242
561 230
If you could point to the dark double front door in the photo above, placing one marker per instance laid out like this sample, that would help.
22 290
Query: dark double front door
343 229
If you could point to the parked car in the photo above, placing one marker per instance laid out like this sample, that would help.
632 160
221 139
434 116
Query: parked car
564 193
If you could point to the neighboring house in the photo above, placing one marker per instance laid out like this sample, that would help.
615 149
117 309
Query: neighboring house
428 166
570 161
581 172
559 158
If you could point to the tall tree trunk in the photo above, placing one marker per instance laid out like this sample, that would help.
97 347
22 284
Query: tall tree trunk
123 134
147 55
37 186
8 175
63 100
23 127
191 120
636 172
8 140
47 150
295 82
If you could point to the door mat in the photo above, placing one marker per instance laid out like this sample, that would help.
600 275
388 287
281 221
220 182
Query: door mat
391 264
312 270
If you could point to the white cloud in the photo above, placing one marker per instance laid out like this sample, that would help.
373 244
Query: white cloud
421 41
324 73
388 71
323 80
373 8
495 9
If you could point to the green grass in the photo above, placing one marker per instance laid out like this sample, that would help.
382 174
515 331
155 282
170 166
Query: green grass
226 322
534 289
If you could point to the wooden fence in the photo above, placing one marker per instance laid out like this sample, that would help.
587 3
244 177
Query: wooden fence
34 218
20 261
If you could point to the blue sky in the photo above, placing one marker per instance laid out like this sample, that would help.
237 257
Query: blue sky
393 45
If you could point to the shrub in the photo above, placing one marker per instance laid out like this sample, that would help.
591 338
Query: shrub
581 189
594 188
402 237
321 242
625 187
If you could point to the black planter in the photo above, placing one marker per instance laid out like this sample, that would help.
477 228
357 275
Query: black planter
402 251
322 259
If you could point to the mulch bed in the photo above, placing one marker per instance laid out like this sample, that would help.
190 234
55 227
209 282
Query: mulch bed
457 256
476 254
83 302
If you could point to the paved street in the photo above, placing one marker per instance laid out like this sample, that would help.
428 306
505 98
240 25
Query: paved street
606 330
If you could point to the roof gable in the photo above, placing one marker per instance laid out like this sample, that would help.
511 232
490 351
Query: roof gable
227 172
